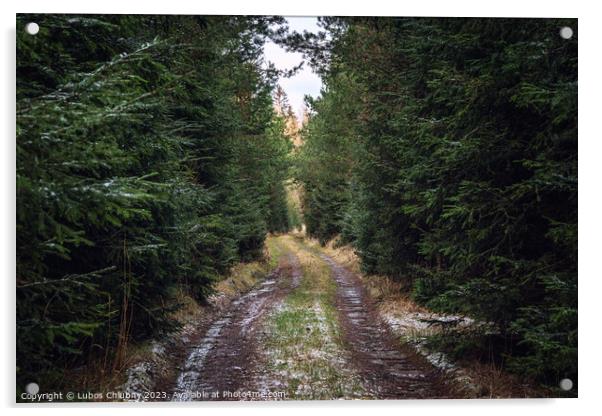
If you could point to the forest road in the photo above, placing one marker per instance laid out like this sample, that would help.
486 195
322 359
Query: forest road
225 358
389 368
311 330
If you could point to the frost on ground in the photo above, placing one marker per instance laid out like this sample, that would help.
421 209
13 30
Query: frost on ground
415 327
188 378
141 377
420 324
303 358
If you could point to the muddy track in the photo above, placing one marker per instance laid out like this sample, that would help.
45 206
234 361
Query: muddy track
389 369
224 358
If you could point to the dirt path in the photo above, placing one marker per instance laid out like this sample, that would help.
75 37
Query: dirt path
309 331
224 359
389 370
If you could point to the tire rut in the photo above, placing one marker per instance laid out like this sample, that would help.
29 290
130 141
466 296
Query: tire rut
224 359
389 369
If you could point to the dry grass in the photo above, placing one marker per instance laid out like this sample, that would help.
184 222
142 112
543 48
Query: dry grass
242 277
99 376
394 302
389 294
344 255
304 352
392 296
495 383
190 309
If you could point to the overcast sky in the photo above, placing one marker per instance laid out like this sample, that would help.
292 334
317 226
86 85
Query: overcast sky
305 81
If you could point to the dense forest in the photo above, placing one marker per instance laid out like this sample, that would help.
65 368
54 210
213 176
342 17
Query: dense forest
154 153
445 152
149 156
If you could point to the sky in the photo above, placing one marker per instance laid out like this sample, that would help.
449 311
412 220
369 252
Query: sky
305 81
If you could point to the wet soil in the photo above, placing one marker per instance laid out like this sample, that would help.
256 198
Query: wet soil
389 369
225 358
223 362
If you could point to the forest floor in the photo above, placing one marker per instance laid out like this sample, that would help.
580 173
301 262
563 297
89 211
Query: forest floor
310 330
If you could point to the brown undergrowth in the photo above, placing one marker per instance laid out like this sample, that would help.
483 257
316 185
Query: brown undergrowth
100 376
405 317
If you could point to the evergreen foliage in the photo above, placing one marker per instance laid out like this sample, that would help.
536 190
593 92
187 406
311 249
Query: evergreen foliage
148 157
445 151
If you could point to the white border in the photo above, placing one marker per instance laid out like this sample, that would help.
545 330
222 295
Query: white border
590 188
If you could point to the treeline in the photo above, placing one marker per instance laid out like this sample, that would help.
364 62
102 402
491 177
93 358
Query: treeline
149 157
445 152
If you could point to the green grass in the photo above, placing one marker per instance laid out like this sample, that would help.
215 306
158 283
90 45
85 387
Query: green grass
275 251
304 345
